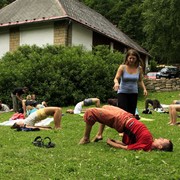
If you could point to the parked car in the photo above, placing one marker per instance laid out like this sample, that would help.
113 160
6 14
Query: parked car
168 72
151 75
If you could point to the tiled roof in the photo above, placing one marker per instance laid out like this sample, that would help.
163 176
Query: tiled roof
22 10
27 11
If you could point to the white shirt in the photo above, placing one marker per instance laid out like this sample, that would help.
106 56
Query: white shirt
4 108
78 108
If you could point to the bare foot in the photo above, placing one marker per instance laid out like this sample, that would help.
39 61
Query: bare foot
96 139
84 141
57 128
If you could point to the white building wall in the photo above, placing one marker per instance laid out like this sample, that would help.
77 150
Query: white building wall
39 35
44 34
4 43
81 36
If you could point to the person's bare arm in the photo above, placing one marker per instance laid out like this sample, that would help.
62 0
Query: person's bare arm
24 106
116 144
141 83
117 77
40 127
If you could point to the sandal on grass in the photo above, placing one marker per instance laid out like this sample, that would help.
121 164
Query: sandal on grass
48 144
38 141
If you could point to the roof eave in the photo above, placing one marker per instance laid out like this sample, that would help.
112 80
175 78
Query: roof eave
43 19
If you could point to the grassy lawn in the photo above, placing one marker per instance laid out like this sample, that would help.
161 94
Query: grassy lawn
20 159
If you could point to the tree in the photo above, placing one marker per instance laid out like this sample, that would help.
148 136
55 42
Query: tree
125 14
131 21
5 2
105 8
162 28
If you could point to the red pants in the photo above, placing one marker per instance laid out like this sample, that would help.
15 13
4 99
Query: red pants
111 116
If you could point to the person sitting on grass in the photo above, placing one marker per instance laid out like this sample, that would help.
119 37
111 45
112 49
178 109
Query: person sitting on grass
173 109
136 136
30 104
156 106
44 103
4 107
86 102
154 103
39 115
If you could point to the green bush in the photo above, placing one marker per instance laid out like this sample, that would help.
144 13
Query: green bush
60 75
153 65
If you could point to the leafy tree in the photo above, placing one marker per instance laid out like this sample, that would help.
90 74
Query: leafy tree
162 28
131 21
153 65
104 7
125 14
5 2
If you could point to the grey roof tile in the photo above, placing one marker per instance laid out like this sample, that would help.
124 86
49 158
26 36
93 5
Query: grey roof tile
22 10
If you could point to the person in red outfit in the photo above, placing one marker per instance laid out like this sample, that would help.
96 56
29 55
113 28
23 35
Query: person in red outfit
136 136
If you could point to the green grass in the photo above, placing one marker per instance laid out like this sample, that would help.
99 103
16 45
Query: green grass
20 159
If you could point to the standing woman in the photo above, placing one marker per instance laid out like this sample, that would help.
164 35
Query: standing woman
129 74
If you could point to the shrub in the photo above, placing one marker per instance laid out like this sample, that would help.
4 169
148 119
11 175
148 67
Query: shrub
153 65
60 75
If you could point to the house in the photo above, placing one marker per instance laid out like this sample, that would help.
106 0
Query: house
59 22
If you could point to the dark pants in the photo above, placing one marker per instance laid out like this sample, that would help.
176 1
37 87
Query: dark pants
17 105
128 102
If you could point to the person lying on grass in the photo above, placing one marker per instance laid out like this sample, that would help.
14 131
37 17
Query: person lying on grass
136 136
173 109
87 102
39 115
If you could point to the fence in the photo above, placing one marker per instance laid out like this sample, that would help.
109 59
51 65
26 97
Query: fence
162 85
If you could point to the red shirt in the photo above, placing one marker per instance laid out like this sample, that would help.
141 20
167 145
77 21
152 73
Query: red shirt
137 136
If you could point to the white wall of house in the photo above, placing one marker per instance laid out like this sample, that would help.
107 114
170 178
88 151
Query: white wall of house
4 43
81 36
39 35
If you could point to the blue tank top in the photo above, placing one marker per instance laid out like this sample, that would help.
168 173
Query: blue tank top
129 82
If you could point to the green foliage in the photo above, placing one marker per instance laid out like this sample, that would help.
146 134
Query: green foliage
162 29
20 159
153 65
131 21
125 14
5 2
60 75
